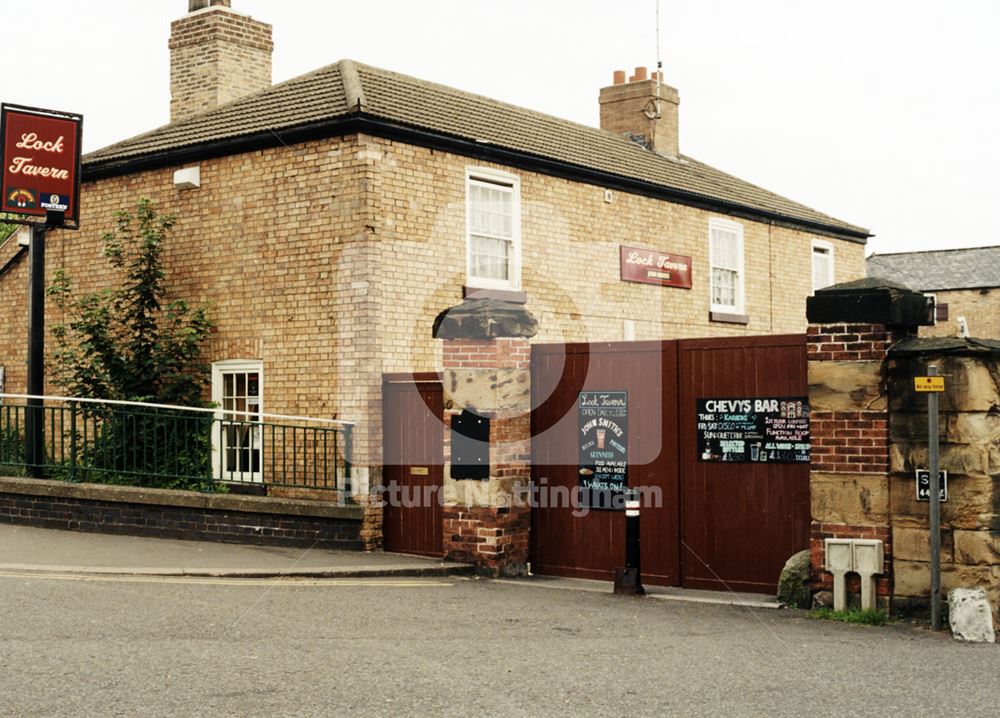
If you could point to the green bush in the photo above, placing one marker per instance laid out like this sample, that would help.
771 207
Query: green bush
127 343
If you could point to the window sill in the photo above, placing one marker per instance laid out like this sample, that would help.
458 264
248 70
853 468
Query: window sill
726 318
505 295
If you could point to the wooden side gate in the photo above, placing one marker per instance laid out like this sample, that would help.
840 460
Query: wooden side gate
704 524
413 463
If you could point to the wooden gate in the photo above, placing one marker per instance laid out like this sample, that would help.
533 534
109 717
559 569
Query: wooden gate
413 471
718 525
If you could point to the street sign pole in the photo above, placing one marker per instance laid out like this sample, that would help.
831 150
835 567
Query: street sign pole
34 420
935 504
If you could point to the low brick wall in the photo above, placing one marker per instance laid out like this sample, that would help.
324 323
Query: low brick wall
179 514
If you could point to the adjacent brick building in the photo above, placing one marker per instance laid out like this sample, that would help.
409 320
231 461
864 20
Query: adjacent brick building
333 216
965 284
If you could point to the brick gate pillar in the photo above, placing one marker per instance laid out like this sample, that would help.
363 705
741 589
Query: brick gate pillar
486 376
851 327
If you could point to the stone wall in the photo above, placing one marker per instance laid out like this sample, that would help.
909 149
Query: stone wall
849 426
970 453
869 433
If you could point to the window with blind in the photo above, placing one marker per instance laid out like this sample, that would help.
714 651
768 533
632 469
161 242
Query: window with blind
822 264
726 258
494 224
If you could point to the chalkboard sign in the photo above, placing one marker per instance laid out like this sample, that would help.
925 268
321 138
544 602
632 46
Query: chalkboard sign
603 472
754 430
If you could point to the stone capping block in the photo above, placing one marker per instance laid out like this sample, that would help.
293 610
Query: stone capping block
870 301
179 499
485 319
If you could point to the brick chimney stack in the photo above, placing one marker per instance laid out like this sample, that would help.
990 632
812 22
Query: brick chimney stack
630 108
217 55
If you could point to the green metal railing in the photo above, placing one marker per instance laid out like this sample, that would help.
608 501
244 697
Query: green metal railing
84 440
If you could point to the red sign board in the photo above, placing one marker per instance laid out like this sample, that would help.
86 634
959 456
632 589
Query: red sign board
650 267
40 157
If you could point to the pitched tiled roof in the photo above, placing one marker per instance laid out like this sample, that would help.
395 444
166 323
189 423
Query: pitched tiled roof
347 89
939 270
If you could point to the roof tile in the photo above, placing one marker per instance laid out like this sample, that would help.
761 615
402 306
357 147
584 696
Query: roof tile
323 95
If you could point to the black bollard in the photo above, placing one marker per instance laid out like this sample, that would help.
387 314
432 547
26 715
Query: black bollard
628 580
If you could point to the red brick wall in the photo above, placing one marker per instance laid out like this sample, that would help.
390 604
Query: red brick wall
823 581
849 442
493 538
847 342
486 354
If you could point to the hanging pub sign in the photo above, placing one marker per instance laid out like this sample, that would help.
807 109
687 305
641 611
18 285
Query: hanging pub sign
40 157
774 430
603 476
648 267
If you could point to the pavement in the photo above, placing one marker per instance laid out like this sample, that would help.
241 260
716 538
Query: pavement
25 549
35 550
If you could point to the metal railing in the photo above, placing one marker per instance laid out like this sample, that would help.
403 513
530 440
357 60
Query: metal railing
158 445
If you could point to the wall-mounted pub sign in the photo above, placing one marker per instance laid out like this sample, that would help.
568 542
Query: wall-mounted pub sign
603 473
40 157
649 267
759 429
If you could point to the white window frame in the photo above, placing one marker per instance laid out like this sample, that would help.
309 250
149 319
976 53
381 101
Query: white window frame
827 248
737 228
236 366
494 177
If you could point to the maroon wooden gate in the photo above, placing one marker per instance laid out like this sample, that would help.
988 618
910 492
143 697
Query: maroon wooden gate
413 441
717 525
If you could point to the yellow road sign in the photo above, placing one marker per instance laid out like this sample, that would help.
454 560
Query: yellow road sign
928 383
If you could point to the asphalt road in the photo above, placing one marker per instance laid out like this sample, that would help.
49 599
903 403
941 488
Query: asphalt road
97 646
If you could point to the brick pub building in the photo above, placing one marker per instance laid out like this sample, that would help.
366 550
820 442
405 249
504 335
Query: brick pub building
332 218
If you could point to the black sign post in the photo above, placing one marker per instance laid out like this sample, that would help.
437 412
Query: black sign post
34 418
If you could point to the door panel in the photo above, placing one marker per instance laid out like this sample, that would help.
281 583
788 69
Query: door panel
740 522
413 449
593 545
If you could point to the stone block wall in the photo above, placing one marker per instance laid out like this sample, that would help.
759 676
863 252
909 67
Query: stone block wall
849 425
969 441
486 522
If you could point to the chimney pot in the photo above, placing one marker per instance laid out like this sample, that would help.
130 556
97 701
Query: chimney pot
619 77
640 73
194 5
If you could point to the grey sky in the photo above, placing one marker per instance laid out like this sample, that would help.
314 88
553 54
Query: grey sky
884 113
